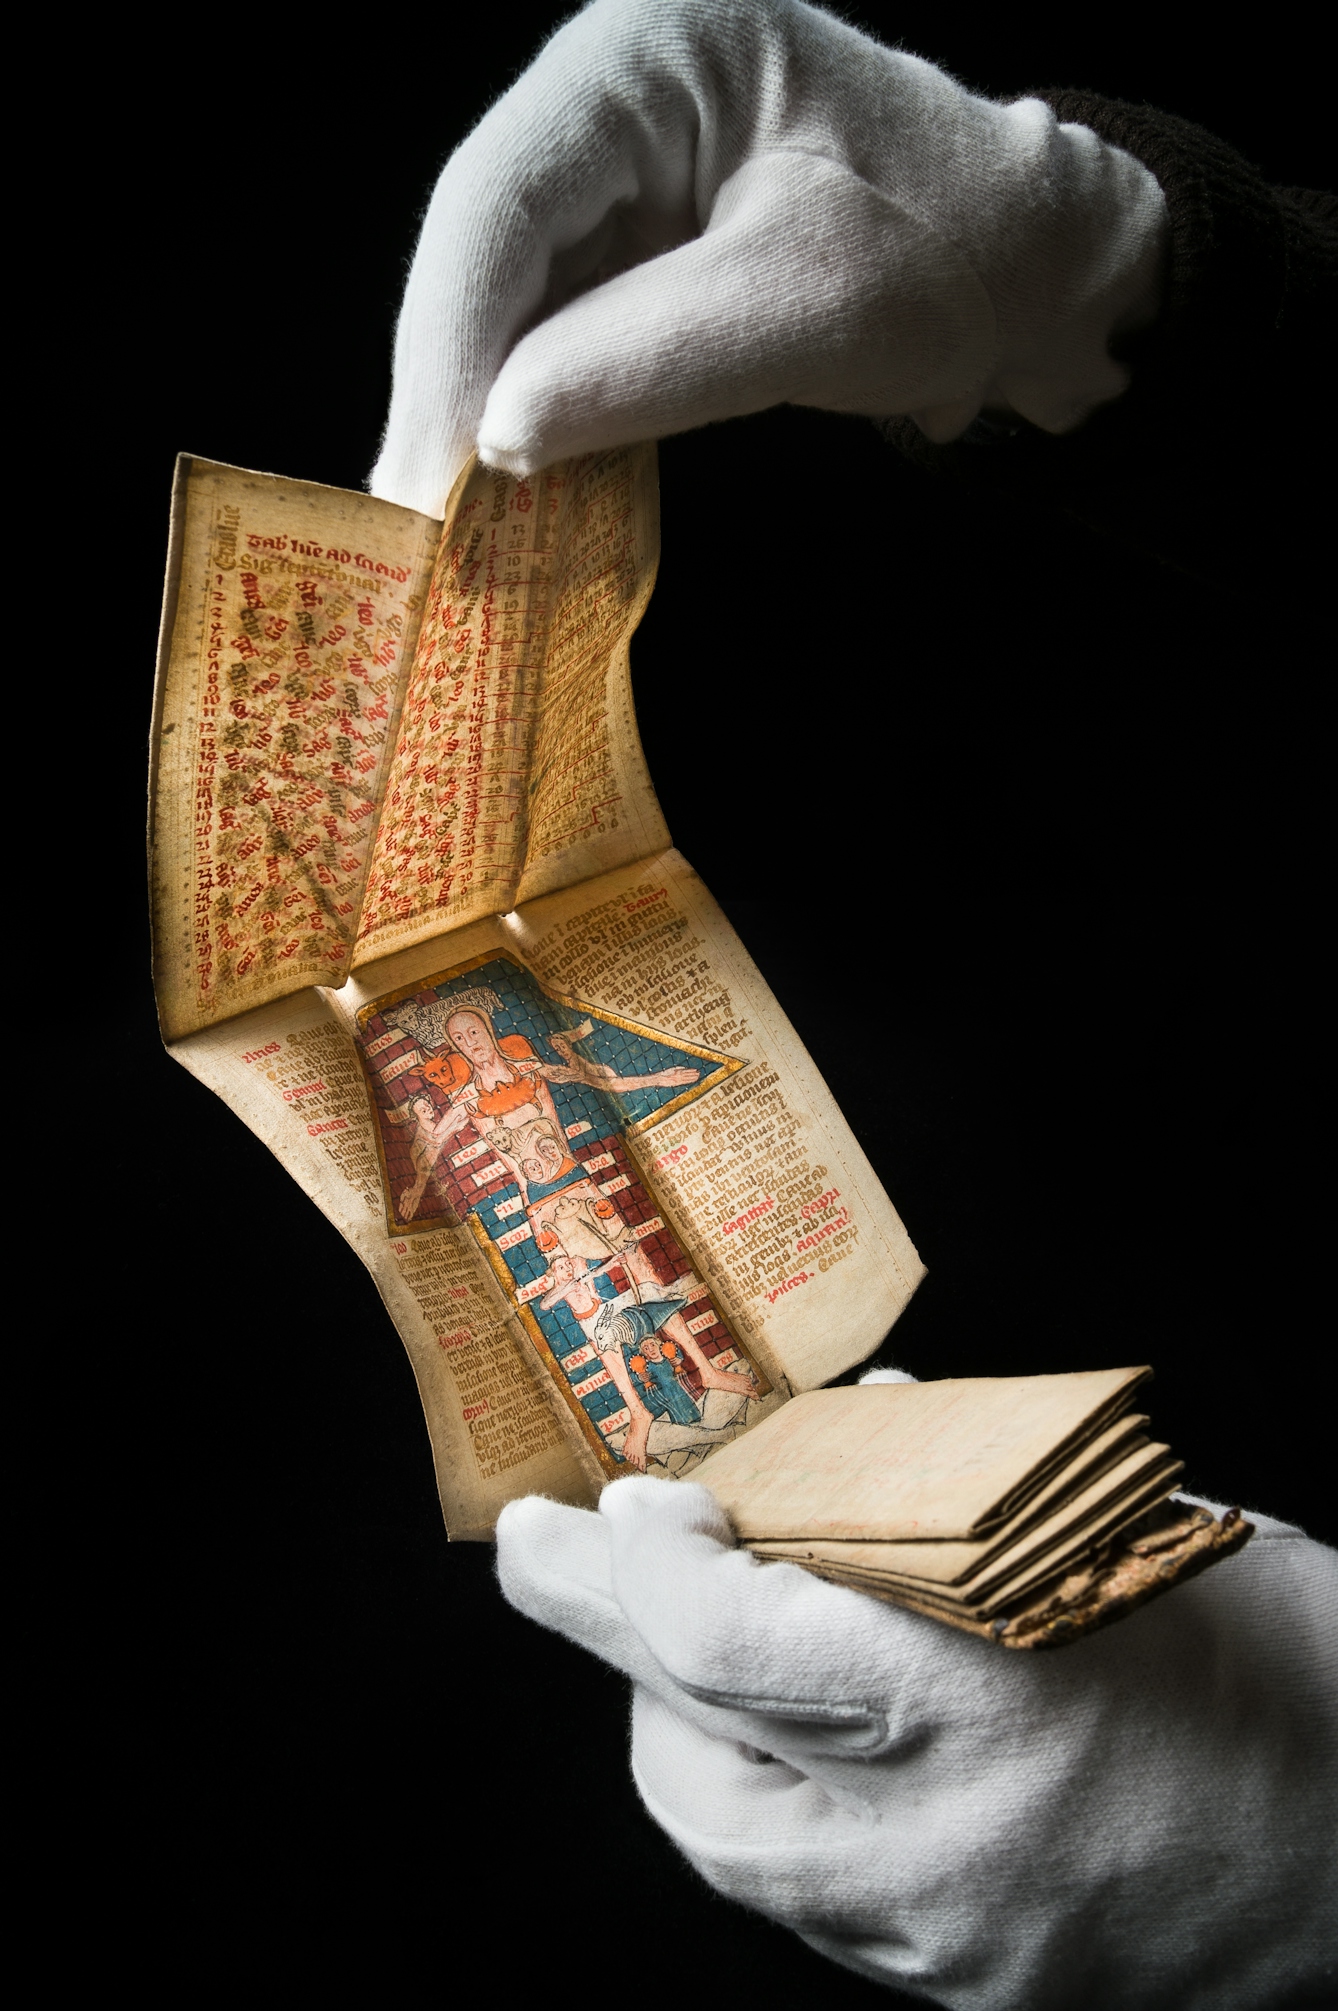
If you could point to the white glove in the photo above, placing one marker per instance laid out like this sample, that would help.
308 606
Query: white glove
1143 1819
792 212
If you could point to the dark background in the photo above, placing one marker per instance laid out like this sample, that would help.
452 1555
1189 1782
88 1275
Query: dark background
1053 802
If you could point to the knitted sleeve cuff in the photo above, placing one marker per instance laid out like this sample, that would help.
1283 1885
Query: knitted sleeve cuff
1198 461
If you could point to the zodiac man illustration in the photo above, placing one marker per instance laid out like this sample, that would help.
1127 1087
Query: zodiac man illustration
644 1331
501 1087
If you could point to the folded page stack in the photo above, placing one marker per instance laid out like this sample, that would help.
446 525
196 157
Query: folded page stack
1027 1509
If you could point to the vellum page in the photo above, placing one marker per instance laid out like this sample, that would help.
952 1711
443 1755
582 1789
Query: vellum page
592 806
901 1461
953 1564
289 610
289 1072
992 1593
610 1204
586 1085
994 1589
518 1111
518 766
762 1176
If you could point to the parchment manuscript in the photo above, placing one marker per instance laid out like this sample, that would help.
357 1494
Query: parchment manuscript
417 922
1028 1510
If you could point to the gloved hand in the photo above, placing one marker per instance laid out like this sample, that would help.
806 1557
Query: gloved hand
691 209
1145 1818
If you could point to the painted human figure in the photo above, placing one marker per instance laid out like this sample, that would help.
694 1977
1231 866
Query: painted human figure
429 1139
573 1285
501 1087
645 1336
534 1151
637 1332
537 1151
650 1328
587 1225
598 1075
602 1319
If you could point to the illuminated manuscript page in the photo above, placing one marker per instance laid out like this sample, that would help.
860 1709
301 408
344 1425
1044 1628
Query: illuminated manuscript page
897 1462
331 670
518 766
1123 1457
1119 1497
289 610
768 1184
791 1244
289 1071
765 1176
308 810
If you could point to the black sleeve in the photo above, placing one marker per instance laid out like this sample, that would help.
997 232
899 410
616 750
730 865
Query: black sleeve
1217 458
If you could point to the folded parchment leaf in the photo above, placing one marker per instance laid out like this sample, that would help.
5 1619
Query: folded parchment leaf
1027 1509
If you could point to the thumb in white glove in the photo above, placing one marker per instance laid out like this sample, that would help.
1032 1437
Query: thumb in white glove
1142 1819
789 212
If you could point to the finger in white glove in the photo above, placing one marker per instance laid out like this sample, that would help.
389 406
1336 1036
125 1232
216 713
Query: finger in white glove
1144 1818
555 1564
766 205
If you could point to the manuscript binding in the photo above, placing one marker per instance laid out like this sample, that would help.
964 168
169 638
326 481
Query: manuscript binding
1029 1510
418 921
